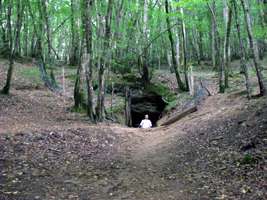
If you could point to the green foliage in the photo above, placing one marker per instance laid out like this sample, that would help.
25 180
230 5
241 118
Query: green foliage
160 89
248 160
81 110
31 73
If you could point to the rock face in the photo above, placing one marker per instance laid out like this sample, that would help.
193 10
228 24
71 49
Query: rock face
151 104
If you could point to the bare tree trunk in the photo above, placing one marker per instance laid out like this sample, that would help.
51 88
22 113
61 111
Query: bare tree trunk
112 98
226 53
174 62
178 49
196 44
184 51
12 46
242 50
2 29
213 39
20 11
217 48
87 32
11 52
73 58
265 10
128 116
100 108
200 44
79 100
254 47
47 25
26 33
145 71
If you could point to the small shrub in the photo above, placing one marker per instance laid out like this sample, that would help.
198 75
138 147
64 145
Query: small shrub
248 160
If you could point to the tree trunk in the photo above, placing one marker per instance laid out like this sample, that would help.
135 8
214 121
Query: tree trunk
145 71
184 50
3 41
242 50
217 48
105 61
128 116
254 46
73 58
200 44
265 10
26 33
6 88
87 32
174 62
213 39
226 53
47 25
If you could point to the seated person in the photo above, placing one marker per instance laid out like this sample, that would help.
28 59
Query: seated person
145 123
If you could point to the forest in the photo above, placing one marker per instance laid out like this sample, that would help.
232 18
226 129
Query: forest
79 77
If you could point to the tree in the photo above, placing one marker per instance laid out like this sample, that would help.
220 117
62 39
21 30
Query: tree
226 52
87 34
254 46
242 49
174 61
12 44
105 61
216 36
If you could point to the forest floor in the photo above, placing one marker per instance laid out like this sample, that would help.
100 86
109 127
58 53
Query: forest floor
48 152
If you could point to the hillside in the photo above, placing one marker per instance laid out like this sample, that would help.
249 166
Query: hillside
48 152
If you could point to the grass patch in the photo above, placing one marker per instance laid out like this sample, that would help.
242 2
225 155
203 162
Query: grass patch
81 110
31 74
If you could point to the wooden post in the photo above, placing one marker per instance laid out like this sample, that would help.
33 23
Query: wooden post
191 81
128 117
63 81
112 96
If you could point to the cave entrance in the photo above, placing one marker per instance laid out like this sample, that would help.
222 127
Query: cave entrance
151 104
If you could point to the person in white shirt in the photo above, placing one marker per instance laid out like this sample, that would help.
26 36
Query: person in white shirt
145 123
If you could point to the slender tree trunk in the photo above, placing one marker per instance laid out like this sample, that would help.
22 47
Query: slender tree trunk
242 50
174 62
11 51
87 32
184 50
2 29
78 92
177 49
128 116
73 58
47 25
254 46
26 33
226 53
265 10
217 48
145 71
20 11
200 44
213 39
105 61
196 44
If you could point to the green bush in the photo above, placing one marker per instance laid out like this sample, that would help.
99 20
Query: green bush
160 89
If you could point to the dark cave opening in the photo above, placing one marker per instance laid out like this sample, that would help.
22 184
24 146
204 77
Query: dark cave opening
151 104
